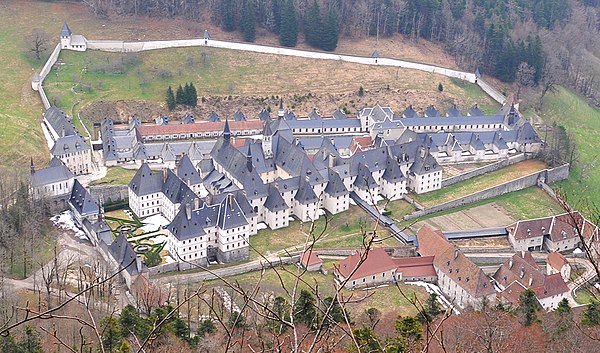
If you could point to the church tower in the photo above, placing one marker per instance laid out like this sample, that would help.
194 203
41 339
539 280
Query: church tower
226 131
267 141
65 36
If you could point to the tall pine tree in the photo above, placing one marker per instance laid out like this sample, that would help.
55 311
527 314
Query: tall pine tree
330 32
228 15
248 21
180 95
288 31
186 94
313 25
170 98
193 96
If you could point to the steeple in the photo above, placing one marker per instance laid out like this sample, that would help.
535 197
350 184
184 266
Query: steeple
226 131
281 112
267 141
66 31
249 158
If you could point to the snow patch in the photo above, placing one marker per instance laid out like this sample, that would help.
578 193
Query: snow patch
261 226
160 238
65 221
157 220
169 259
150 228
432 288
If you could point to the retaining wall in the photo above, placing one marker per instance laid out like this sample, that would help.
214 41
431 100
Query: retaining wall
491 91
485 169
110 193
546 176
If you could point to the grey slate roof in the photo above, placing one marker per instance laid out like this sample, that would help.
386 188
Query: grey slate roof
306 194
176 190
65 31
264 115
146 182
431 112
239 116
476 143
69 144
124 255
289 115
314 115
526 134
184 228
187 172
188 119
213 117
453 111
475 111
230 214
275 201
335 187
364 180
392 173
82 201
59 121
425 165
339 114
409 112
55 172
103 232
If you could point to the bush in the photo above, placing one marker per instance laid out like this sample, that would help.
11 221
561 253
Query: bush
361 91
440 87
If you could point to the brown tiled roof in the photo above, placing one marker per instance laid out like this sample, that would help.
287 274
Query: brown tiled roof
431 241
309 258
553 285
452 262
376 261
532 228
512 293
360 143
556 260
415 266
200 126
564 226
520 267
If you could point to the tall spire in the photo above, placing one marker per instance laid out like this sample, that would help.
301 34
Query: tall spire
281 112
249 158
226 131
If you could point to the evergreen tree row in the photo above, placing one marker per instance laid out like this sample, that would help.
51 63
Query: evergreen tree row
186 95
321 31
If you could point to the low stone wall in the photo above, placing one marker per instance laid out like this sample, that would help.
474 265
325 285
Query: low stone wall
110 193
544 176
485 169
491 91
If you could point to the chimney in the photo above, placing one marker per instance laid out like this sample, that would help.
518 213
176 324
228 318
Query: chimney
188 211
522 272
331 161
530 281
230 201
510 263
455 253
196 203
522 253
138 263
422 152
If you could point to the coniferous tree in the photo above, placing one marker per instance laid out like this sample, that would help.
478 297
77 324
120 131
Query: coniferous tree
276 11
305 310
313 26
186 94
528 307
193 95
180 95
288 29
330 32
228 15
170 98
248 21
591 315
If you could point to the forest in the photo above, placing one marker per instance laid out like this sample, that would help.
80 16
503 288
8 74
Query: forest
529 42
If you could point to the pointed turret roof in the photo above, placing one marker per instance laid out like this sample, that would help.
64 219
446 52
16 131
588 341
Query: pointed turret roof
226 131
275 202
267 129
66 31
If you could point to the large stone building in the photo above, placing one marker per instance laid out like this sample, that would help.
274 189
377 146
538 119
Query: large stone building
53 183
554 233
462 281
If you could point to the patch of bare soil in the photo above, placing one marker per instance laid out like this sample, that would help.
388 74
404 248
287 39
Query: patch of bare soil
301 104
484 216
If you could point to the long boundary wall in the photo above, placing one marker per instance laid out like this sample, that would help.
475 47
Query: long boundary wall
45 71
485 169
491 91
544 176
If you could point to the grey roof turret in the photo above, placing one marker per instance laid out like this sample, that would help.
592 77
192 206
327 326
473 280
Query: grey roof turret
335 187
66 31
306 194
146 182
82 200
275 202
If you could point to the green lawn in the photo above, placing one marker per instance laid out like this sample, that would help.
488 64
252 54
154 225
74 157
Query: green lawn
479 183
523 204
343 230
471 90
583 122
397 209
116 175
385 299
583 296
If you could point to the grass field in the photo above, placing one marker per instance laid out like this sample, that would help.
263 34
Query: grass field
523 204
116 176
583 122
385 299
479 183
344 230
